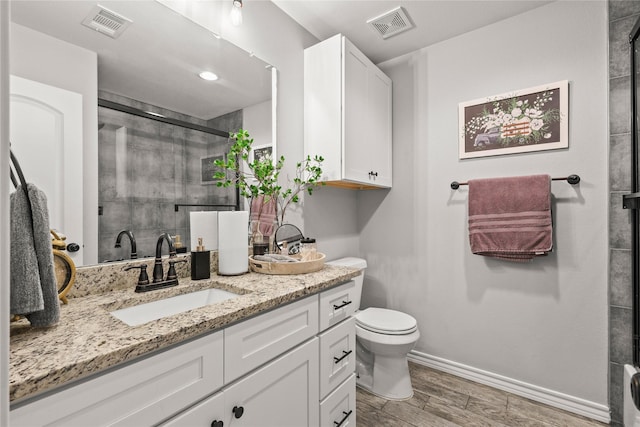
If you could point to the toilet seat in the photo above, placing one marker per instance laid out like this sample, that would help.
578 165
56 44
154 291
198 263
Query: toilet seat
386 322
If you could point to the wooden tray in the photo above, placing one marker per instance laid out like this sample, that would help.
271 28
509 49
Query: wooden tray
288 267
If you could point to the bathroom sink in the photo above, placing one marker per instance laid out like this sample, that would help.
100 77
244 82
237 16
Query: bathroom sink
143 313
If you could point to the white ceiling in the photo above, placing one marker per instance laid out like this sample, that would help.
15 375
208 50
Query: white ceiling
435 20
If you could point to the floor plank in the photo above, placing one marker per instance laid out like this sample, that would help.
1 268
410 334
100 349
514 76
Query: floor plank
444 400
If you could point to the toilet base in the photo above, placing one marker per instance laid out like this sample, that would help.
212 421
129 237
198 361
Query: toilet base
390 379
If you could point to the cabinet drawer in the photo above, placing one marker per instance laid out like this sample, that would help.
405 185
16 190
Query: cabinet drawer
337 304
339 408
206 414
255 341
337 355
142 393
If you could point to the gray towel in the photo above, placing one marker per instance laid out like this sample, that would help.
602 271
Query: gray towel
34 291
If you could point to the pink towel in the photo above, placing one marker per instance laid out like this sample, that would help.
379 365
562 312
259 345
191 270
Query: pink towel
510 218
263 210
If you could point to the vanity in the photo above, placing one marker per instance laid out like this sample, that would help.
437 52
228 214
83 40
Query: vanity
281 352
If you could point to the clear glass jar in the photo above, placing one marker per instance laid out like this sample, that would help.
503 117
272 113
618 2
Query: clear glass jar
308 249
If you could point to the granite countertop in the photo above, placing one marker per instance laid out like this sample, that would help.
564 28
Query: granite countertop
89 339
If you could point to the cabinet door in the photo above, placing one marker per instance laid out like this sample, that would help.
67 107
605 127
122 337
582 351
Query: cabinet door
280 394
380 137
356 151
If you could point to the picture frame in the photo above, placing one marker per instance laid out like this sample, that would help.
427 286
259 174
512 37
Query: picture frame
261 152
521 121
208 169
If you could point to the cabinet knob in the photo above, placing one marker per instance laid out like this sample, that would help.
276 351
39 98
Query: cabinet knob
216 423
73 247
237 411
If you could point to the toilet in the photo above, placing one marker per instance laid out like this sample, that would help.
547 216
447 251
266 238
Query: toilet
383 339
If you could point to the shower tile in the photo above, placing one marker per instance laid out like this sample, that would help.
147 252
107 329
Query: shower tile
619 223
620 343
620 162
616 375
619 105
619 47
622 8
620 265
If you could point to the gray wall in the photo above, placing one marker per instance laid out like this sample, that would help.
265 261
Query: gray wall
622 17
542 324
158 166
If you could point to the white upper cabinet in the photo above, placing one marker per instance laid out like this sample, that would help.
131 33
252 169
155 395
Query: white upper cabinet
347 115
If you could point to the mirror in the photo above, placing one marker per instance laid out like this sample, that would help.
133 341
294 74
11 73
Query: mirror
288 236
160 126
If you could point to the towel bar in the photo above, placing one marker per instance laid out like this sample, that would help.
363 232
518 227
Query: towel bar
571 179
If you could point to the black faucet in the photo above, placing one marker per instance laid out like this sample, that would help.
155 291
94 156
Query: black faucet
132 239
158 274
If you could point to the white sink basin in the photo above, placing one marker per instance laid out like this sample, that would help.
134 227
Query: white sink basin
143 313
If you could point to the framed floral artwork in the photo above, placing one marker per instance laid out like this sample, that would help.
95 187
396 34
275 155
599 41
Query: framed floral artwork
526 120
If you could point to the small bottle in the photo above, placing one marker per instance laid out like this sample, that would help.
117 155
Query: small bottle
200 262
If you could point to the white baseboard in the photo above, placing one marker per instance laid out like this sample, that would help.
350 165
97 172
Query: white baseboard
556 399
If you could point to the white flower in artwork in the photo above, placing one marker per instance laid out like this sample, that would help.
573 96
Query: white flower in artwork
536 124
516 112
519 103
547 135
507 118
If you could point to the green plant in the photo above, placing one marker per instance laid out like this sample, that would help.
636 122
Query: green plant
262 175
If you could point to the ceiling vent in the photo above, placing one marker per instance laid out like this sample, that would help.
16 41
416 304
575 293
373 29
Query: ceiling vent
106 21
391 23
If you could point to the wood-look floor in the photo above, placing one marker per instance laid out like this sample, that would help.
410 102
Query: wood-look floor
444 400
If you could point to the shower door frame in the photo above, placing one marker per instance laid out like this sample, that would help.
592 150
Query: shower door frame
631 201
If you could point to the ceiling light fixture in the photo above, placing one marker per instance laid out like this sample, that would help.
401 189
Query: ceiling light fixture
208 75
236 13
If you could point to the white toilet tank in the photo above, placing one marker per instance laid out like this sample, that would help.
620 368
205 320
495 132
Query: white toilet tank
354 263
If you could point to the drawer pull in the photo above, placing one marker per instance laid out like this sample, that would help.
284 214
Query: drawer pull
216 423
344 303
346 416
344 354
237 411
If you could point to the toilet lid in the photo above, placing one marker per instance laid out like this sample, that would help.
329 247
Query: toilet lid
385 321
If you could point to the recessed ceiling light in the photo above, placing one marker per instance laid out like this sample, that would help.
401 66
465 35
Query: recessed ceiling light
208 75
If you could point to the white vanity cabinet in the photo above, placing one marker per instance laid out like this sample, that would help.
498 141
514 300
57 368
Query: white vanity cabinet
279 368
347 115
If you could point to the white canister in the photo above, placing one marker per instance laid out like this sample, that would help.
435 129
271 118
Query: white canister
233 256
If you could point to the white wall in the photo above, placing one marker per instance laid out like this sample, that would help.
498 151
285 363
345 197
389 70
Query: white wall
39 57
542 323
330 214
257 120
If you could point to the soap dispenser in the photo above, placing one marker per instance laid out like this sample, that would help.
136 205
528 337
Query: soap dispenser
200 262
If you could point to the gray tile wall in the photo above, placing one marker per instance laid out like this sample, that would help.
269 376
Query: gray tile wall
622 17
157 166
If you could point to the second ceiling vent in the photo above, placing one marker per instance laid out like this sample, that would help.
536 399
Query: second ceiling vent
106 21
391 23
